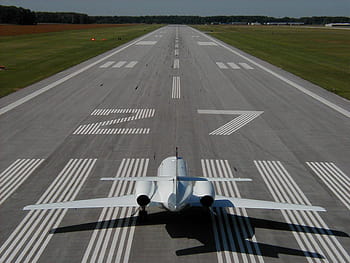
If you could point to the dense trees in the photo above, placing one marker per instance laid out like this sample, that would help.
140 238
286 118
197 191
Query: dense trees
18 15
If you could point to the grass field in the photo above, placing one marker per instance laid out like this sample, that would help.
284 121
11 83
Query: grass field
321 56
32 57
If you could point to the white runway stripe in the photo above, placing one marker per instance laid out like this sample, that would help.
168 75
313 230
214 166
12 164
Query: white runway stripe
15 175
107 64
202 43
235 124
131 64
111 240
335 179
221 65
233 65
175 92
119 64
316 238
176 52
245 66
146 43
31 236
234 236
176 63
98 127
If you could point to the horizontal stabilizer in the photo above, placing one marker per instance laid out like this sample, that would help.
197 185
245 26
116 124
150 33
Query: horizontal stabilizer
120 201
213 179
147 178
223 201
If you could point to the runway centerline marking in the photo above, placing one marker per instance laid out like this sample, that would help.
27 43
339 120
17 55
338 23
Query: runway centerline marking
36 93
175 92
291 83
234 125
176 63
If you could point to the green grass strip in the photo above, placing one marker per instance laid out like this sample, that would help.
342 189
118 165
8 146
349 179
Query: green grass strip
33 57
319 55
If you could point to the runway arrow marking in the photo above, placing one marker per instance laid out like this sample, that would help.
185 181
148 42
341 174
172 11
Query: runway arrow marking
230 127
99 127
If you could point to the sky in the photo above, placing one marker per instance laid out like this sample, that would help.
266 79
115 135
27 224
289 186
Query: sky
276 8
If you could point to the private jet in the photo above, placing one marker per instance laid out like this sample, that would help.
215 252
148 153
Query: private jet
173 190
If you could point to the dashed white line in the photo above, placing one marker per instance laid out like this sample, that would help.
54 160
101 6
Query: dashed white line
202 43
233 65
15 175
176 52
146 43
30 238
131 64
334 178
107 64
175 92
221 65
119 64
176 64
245 65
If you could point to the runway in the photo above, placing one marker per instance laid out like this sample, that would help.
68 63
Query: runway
121 113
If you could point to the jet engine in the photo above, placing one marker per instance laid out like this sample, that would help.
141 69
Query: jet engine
205 191
144 191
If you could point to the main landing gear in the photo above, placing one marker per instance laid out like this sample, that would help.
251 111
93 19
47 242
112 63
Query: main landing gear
143 214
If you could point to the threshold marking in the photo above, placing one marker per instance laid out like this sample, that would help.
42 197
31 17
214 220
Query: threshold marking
29 240
176 63
234 125
289 82
15 175
36 93
201 43
99 127
175 92
112 237
234 236
310 231
145 43
334 178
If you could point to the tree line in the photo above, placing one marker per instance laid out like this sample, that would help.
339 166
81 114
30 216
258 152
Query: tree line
21 16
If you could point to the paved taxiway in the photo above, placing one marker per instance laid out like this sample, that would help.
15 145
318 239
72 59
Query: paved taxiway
121 113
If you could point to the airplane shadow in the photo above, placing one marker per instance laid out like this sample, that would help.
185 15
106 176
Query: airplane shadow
196 223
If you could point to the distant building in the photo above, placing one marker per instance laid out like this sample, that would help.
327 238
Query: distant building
285 23
337 24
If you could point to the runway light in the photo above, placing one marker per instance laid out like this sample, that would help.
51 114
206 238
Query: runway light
93 39
103 39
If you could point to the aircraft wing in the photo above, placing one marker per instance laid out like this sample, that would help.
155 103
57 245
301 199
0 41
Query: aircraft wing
120 201
223 201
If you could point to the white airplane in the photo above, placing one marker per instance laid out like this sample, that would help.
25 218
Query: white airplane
174 190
